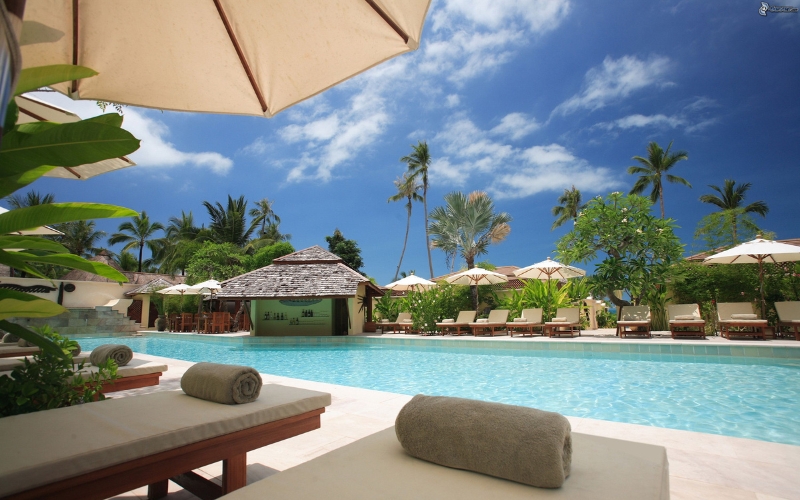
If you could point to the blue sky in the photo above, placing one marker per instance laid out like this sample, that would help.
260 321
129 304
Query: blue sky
521 99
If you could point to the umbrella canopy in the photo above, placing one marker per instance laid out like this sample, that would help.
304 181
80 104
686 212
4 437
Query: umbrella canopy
35 231
411 282
179 289
208 286
757 251
548 270
246 57
34 110
477 276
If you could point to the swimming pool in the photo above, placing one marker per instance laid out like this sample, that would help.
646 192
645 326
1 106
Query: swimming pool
734 396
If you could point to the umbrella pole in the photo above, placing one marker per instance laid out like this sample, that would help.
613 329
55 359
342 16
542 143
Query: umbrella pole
761 286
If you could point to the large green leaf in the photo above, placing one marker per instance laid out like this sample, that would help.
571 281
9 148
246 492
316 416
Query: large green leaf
43 76
16 261
43 342
24 305
55 213
12 181
30 243
113 119
64 145
74 262
12 113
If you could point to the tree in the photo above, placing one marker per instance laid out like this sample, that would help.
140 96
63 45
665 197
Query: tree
229 224
418 163
468 224
181 239
637 248
716 229
569 204
126 261
30 199
137 233
407 188
730 200
346 249
220 261
265 255
263 214
656 165
80 237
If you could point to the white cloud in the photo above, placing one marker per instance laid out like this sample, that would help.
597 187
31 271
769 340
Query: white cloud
539 15
640 121
689 118
616 79
453 100
516 126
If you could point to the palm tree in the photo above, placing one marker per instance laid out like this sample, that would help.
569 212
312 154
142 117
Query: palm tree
730 200
30 199
264 215
181 239
407 187
80 237
138 232
126 261
229 225
418 163
657 163
568 207
470 224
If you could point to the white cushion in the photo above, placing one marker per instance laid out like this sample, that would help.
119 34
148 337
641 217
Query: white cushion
449 320
686 316
559 320
482 320
744 316
520 320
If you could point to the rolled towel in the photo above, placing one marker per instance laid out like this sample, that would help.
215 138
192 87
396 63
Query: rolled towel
559 320
482 320
406 321
520 320
744 316
384 320
77 351
449 320
10 338
121 354
511 442
25 343
226 384
686 316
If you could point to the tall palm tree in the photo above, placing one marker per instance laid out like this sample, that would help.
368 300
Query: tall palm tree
418 163
730 200
30 199
80 237
138 232
569 204
181 239
229 224
263 214
408 188
656 165
470 223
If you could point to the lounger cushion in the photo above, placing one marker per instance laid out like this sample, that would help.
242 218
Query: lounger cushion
13 351
633 323
449 320
744 321
8 364
743 316
687 321
135 367
482 320
37 450
377 467
520 320
686 317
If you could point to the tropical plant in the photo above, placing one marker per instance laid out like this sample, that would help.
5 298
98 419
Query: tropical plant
348 250
638 248
263 214
407 188
126 261
569 204
386 307
419 162
229 224
220 261
30 199
139 232
79 237
730 201
656 165
427 307
30 150
181 240
538 294
716 230
265 255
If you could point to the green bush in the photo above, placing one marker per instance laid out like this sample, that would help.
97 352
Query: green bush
544 294
435 304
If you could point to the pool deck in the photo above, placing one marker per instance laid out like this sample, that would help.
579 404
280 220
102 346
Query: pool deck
702 466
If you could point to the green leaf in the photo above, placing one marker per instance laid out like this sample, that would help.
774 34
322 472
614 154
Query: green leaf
12 113
113 119
30 243
75 262
44 343
64 145
25 305
43 76
14 259
54 213
12 181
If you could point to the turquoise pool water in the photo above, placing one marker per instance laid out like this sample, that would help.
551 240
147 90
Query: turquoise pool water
733 396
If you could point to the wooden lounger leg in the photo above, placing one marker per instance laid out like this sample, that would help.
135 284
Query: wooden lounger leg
157 490
234 473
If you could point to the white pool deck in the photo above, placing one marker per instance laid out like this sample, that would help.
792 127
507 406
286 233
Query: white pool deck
702 466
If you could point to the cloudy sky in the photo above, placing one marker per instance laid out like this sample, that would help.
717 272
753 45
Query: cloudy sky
519 98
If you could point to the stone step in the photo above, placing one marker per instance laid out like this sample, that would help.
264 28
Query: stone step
100 320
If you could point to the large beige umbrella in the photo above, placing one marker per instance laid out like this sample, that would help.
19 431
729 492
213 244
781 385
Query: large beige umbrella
34 110
411 282
474 277
549 270
757 251
249 57
179 289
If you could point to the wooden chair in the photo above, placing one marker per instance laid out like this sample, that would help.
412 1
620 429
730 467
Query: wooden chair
789 318
187 322
460 325
530 320
635 320
685 321
571 325
496 322
174 322
738 319
220 322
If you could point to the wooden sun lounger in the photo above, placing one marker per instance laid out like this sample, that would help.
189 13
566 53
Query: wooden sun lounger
460 325
685 327
395 325
571 326
635 320
741 327
533 320
14 351
788 317
496 322
130 442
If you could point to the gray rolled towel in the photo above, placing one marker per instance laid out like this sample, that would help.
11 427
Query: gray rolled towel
25 343
227 384
10 338
77 351
511 442
121 354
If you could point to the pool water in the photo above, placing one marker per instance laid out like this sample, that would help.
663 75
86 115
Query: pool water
741 397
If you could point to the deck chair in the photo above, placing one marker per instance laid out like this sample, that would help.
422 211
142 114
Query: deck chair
394 326
120 444
187 322
685 321
789 318
570 325
496 322
220 322
526 323
459 325
738 319
634 320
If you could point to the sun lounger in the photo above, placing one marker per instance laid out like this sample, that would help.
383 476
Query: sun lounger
98 450
394 326
378 467
496 322
635 320
527 323
572 315
685 321
788 317
13 351
740 317
8 364
459 325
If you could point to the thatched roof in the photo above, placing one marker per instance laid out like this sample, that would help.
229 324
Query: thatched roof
150 287
134 278
313 272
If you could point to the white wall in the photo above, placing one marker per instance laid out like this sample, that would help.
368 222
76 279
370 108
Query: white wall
86 294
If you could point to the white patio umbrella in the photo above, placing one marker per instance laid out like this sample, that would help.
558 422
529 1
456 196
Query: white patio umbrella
208 287
179 289
33 110
757 251
477 276
34 231
247 57
548 270
411 282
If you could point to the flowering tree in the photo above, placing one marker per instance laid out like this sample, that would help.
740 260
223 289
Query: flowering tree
637 247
